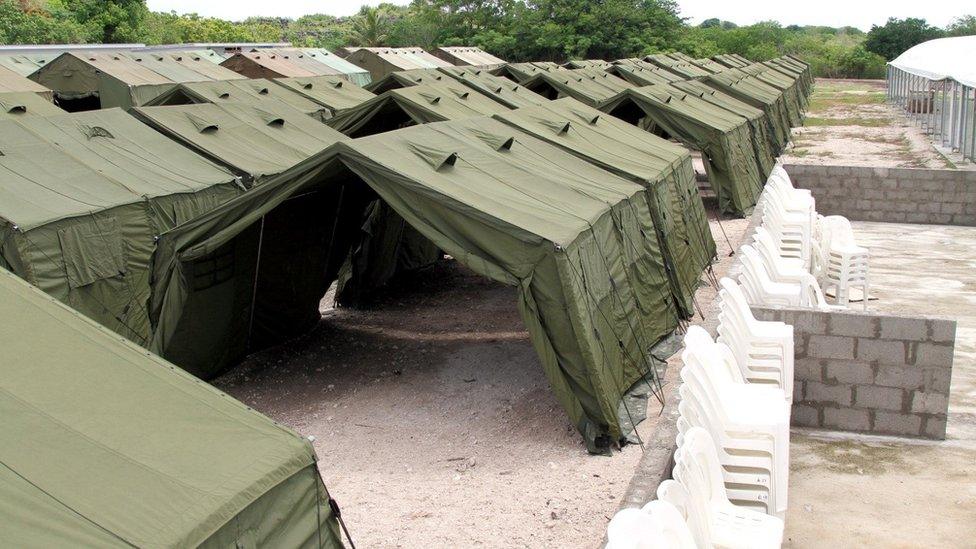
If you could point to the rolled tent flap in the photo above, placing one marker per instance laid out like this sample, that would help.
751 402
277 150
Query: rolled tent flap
576 241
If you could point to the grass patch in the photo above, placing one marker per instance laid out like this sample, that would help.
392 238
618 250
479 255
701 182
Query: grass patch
799 153
824 102
813 121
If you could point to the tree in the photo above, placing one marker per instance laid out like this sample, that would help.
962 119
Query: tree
110 21
22 23
962 26
370 28
897 35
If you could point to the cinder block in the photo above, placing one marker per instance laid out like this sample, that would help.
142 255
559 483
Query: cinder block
914 329
930 403
934 427
883 351
903 377
808 369
848 371
804 415
878 398
808 322
897 424
932 354
847 419
951 208
936 380
850 324
942 331
827 394
821 346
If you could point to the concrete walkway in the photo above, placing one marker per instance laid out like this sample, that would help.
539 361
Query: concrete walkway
867 491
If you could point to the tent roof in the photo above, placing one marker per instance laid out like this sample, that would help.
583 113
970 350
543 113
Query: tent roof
74 164
326 57
468 55
499 88
255 91
525 71
117 447
405 58
591 86
683 68
304 60
334 92
21 104
275 63
613 143
25 64
10 81
420 104
715 97
641 73
402 79
116 65
166 66
256 140
208 67
940 59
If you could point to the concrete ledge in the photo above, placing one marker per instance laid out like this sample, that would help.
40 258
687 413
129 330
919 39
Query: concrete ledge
893 195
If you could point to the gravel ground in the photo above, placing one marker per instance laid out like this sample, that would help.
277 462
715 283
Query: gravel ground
434 422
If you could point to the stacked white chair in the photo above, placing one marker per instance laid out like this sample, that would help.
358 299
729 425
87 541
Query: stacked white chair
761 289
657 525
714 520
838 261
763 350
749 423
788 270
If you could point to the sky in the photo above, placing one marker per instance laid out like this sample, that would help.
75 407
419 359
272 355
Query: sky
834 13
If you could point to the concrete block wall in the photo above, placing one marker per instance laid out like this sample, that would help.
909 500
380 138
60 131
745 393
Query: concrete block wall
894 195
869 372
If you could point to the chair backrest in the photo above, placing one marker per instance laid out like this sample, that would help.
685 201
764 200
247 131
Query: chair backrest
700 345
754 278
698 470
658 525
766 244
779 172
733 301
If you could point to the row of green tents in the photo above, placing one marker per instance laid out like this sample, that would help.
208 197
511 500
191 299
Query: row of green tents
209 225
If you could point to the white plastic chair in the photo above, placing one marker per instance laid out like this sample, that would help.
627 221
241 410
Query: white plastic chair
838 261
657 525
724 524
791 270
749 422
760 288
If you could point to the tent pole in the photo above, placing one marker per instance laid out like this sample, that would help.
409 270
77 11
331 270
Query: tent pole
254 288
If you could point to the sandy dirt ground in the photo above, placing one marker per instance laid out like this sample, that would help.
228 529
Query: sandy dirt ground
434 422
850 124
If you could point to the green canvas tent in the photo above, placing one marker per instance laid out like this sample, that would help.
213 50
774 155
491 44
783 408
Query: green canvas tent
643 74
414 105
403 79
706 65
682 68
181 66
586 64
108 79
499 88
569 237
789 88
334 92
340 66
384 60
256 92
590 86
255 142
763 142
21 104
723 137
730 61
520 72
660 166
82 199
467 56
795 72
749 90
26 64
105 445
11 82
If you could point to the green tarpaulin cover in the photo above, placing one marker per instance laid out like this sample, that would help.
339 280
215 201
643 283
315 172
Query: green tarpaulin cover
21 104
750 90
590 86
117 80
724 138
83 197
334 92
520 72
662 167
105 445
256 92
575 241
641 73
254 141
